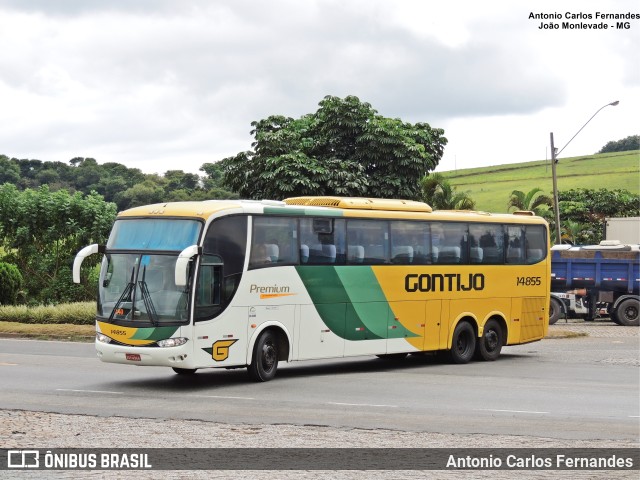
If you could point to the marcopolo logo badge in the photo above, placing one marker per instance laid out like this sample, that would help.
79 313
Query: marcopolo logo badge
23 459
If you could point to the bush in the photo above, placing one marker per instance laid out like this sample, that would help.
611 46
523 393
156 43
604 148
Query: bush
10 283
79 313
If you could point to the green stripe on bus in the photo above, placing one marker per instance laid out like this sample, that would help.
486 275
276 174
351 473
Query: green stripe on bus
154 333
351 303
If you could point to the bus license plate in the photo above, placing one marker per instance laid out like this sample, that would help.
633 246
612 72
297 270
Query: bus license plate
134 357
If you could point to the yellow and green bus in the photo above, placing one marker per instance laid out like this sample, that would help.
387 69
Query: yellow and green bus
235 283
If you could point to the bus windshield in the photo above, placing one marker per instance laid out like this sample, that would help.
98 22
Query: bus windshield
137 278
153 234
141 289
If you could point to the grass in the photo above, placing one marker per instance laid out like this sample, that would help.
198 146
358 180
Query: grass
491 187
78 333
80 313
556 334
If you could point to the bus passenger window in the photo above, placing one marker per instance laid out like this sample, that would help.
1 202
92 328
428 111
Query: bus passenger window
274 242
514 244
322 241
535 240
373 236
486 243
452 248
410 243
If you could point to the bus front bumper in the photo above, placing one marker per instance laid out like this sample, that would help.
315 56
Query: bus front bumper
177 357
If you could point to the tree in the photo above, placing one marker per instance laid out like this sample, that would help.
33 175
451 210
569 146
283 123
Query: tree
345 148
533 201
632 142
41 231
441 195
10 283
9 171
590 208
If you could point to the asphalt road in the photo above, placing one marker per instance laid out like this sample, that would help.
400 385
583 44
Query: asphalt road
575 388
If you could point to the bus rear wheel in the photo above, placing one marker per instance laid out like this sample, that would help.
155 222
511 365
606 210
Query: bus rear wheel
463 343
265 358
489 346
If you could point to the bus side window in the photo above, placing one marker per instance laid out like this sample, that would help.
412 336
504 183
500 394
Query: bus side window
274 242
535 240
453 243
410 243
486 243
322 241
373 236
514 244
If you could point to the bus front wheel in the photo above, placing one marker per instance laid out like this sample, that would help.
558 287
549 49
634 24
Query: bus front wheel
463 343
265 358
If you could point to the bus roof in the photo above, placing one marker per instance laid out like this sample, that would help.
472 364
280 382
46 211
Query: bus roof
325 206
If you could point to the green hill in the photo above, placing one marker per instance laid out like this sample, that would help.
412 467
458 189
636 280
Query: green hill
491 187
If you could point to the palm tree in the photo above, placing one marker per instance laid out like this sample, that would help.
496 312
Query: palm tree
533 201
572 231
441 195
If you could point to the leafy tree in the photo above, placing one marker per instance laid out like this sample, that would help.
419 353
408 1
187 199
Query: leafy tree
145 193
10 283
590 208
9 171
41 231
441 195
344 148
534 201
632 142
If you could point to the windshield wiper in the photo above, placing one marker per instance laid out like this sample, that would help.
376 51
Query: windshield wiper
146 298
126 294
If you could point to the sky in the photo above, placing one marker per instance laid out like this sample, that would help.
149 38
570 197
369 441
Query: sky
172 84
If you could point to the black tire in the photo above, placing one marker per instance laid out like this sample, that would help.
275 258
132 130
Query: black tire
463 343
489 346
265 358
627 312
184 371
555 310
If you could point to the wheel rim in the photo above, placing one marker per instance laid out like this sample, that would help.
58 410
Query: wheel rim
491 340
269 356
631 312
462 343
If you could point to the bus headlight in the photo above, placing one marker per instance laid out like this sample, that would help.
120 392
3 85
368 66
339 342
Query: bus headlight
102 338
172 342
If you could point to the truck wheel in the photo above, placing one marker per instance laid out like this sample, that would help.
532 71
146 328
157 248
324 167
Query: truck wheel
489 346
463 343
627 312
265 358
555 310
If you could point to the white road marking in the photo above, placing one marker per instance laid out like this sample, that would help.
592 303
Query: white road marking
509 411
225 397
87 391
361 404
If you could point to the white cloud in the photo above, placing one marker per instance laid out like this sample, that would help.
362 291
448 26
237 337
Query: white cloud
161 85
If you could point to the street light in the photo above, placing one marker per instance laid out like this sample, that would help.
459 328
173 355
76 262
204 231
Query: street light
554 160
